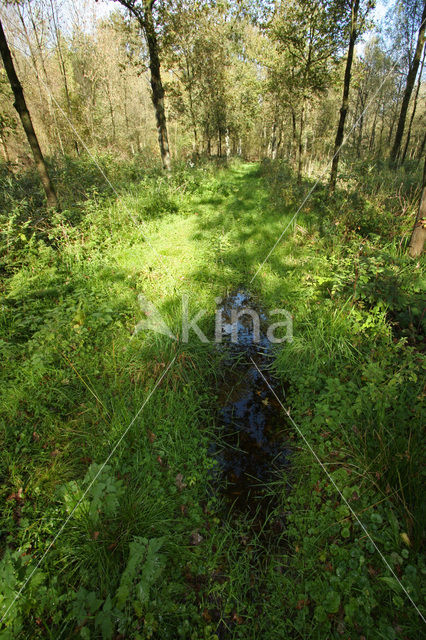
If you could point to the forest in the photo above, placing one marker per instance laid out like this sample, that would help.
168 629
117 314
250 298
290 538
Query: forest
212 319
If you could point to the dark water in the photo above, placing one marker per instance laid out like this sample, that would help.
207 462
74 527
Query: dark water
251 447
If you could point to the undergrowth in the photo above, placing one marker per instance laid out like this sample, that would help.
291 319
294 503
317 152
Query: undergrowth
143 548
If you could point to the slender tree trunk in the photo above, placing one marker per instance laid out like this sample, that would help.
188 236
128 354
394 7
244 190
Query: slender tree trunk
4 149
273 140
46 80
111 112
227 143
345 100
22 109
294 135
146 21
391 128
33 57
411 78
373 130
413 113
278 145
300 143
63 70
157 86
418 236
422 147
361 130
191 108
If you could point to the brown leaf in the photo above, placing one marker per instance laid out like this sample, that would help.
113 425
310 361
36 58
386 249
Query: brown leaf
236 618
54 453
196 538
151 436
341 628
95 535
206 615
17 496
179 482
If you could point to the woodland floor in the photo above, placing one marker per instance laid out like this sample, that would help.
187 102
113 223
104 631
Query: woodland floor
151 548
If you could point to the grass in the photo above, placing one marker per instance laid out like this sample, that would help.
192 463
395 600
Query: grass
149 552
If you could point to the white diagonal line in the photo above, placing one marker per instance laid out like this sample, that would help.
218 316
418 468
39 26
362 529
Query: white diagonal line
113 450
340 493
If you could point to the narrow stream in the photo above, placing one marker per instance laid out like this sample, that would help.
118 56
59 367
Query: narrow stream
251 447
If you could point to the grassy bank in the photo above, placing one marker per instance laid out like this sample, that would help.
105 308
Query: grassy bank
147 551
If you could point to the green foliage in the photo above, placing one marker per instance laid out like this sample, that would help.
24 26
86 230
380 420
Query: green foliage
146 550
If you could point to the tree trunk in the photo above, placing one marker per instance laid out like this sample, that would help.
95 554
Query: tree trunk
419 231
273 141
111 112
157 86
22 109
411 78
239 148
413 113
361 125
63 70
373 130
278 145
227 143
300 143
4 149
422 147
146 21
345 100
191 108
47 128
46 81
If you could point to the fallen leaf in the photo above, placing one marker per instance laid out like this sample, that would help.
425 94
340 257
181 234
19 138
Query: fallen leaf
406 539
196 538
17 496
179 482
95 535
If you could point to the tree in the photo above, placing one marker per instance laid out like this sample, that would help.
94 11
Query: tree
413 113
411 78
418 235
353 34
22 109
142 10
307 32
